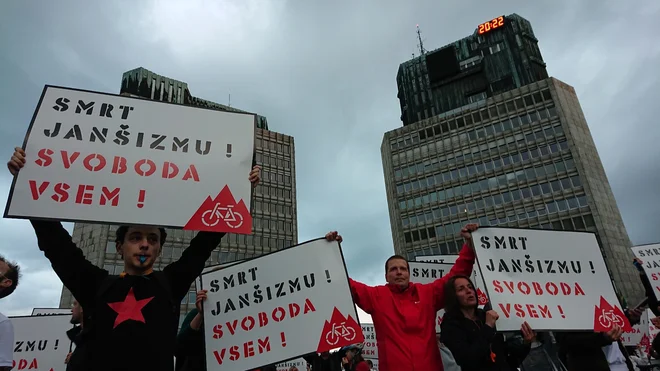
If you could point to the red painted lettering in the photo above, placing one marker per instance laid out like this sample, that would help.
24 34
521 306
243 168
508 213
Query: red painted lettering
87 162
107 195
578 290
278 314
43 157
191 173
170 170
551 288
61 192
69 160
118 165
263 319
232 326
37 191
309 307
498 287
509 285
264 345
248 349
151 167
294 310
247 323
217 333
524 287
84 195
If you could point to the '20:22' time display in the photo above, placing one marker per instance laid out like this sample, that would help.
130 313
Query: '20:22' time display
491 25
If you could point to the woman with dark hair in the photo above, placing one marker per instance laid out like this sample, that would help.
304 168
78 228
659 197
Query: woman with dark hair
471 336
352 359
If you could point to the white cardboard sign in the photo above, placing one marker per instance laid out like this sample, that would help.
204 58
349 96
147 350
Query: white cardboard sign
279 306
554 280
634 337
96 157
650 256
41 342
50 311
212 268
477 278
370 349
298 363
422 272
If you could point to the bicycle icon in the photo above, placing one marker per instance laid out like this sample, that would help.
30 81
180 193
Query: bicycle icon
332 337
607 319
211 218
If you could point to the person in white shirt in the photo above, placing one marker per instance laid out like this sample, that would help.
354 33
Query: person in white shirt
9 273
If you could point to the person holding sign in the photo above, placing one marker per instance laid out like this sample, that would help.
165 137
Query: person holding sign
8 282
404 312
470 333
131 319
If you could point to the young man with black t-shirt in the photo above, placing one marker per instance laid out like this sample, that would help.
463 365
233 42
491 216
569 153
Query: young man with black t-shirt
131 320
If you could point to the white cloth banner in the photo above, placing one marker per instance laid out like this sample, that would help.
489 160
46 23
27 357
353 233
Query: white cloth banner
370 349
553 280
41 343
279 306
96 157
299 363
650 257
50 311
477 278
634 337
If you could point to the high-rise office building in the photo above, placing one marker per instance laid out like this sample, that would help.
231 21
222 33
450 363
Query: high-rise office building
521 157
501 55
273 207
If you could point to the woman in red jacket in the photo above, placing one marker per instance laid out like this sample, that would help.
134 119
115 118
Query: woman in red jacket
404 312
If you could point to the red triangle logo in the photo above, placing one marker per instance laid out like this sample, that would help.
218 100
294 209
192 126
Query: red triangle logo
339 331
481 297
221 214
607 316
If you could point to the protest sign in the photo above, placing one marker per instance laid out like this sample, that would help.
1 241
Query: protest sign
50 311
650 257
422 272
298 363
40 342
634 336
96 157
212 268
554 280
279 306
653 331
375 363
476 277
370 349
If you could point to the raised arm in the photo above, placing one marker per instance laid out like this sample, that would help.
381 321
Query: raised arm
462 266
79 275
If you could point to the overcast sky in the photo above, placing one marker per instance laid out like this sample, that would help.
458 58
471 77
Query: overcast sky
325 73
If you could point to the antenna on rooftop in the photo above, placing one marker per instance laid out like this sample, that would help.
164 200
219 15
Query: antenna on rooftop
229 104
422 51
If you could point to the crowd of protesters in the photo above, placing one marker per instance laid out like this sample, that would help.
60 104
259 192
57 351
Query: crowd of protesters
118 331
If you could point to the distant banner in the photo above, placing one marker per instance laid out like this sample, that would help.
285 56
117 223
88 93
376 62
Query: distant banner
279 306
650 256
477 278
297 364
50 311
96 157
370 349
553 280
634 336
422 272
40 342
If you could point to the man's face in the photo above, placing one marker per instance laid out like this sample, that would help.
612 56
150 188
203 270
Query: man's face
4 281
397 273
76 313
140 248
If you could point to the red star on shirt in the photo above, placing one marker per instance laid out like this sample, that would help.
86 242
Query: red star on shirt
129 309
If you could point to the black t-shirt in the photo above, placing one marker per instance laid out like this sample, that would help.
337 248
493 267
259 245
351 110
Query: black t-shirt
135 318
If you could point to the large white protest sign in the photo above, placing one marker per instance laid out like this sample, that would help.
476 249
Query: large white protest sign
634 336
298 363
50 311
553 280
41 342
279 306
212 268
370 349
650 257
477 278
99 157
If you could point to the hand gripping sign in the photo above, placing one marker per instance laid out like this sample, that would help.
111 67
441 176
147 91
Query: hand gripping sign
278 307
96 157
554 280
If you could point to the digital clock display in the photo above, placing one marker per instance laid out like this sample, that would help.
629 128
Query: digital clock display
490 25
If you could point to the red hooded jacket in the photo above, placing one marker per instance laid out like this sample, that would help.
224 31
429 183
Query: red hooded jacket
404 320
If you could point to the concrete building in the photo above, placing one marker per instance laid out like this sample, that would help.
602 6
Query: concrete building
274 208
502 54
523 157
